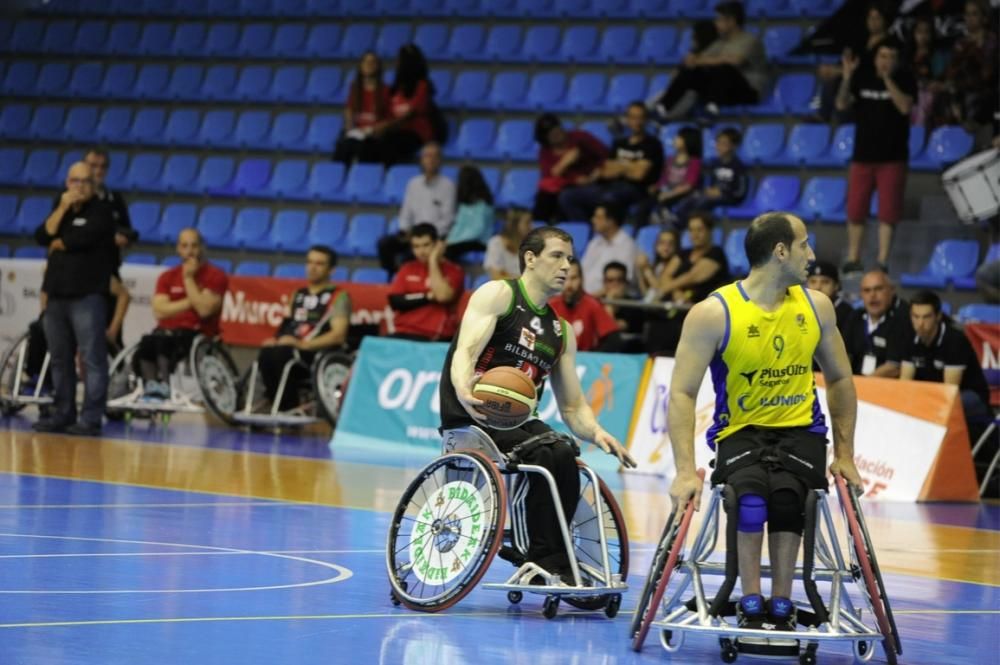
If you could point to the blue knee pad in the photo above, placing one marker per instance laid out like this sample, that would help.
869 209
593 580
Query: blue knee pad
753 513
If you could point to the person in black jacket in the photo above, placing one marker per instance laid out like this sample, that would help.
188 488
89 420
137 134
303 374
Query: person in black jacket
79 234
99 162
876 335
824 277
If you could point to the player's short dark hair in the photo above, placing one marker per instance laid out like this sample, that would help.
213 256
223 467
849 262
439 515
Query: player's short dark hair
424 230
926 297
612 211
100 151
544 124
331 256
764 234
733 10
733 134
614 265
534 242
706 217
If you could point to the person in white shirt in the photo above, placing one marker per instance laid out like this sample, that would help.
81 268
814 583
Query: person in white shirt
610 243
429 199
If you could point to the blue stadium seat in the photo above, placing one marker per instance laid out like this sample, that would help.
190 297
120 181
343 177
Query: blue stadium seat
20 79
541 44
503 43
151 81
176 217
370 276
216 173
118 166
812 8
287 182
290 40
217 128
123 38
645 239
30 252
518 188
86 80
466 42
441 80
219 83
289 131
340 274
119 80
619 44
148 125
471 88
288 232
59 37
692 9
547 91
946 145
806 143
823 198
429 7
575 9
686 238
325 181
156 38
579 44
736 255
15 120
978 312
254 83
917 141
145 217
11 165
288 84
215 224
252 228
531 8
185 83
390 7
53 79
47 123
182 128
490 174
252 130
657 45
364 233
581 232
769 9
189 40
67 160
950 259
508 91
432 38
222 40
32 213
358 38
323 131
179 173
792 94
775 192
396 179
587 92
363 184
144 172
503 8
324 85
255 8
290 271
252 269
841 148
779 40
599 130
140 259
516 140
762 143
968 283
40 168
255 39
8 217
252 175
173 261
27 37
327 228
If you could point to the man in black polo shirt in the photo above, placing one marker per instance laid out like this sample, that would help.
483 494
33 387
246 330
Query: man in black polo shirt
824 277
938 352
79 235
875 336
634 166
99 161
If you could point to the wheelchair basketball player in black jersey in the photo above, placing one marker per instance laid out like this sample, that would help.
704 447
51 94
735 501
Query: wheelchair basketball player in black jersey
509 323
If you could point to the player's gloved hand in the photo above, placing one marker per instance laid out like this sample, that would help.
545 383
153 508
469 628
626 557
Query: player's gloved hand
686 487
610 445
845 468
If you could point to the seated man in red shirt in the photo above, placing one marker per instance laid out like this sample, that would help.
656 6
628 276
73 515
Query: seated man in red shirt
187 302
425 291
595 328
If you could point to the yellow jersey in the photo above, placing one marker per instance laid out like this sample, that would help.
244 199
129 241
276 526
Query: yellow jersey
762 371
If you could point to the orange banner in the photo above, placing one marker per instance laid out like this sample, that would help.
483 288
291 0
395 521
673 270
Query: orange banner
254 306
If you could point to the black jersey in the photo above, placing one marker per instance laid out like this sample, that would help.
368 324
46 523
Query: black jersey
525 337
309 310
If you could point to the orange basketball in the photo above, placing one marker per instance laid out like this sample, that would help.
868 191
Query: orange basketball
509 396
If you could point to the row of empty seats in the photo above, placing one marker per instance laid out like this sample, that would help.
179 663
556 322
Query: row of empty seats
430 8
475 42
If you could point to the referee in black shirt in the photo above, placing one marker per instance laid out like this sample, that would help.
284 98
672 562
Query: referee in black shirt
79 234
99 161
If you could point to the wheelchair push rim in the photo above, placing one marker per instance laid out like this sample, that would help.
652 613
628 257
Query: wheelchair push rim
9 404
445 532
331 374
217 377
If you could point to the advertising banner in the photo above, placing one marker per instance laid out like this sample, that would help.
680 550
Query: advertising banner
985 338
393 394
908 443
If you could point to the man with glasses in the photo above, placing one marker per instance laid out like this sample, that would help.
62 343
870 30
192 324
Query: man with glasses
79 234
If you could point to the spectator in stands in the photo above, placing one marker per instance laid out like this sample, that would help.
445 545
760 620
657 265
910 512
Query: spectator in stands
988 281
80 236
610 243
187 302
703 267
824 277
727 183
473 216
629 320
411 108
501 261
366 114
425 291
681 175
938 352
634 165
595 329
882 97
666 263
969 96
732 70
317 320
429 199
567 160
876 335
927 63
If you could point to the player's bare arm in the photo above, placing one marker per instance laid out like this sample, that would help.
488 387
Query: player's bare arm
486 305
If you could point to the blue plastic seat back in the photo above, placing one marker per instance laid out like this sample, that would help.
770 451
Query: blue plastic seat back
580 232
8 215
86 80
842 145
21 79
736 254
48 122
541 43
824 196
216 173
794 91
587 90
762 143
780 39
364 233
807 141
81 123
288 232
119 80
369 276
516 139
182 127
979 312
68 159
503 43
152 80
176 218
215 224
471 87
140 259
325 180
59 37
327 228
948 144
324 128
40 168
53 79
220 82
519 187
251 228
123 38
290 271
145 217
954 258
189 39
255 39
289 130
777 192
657 43
324 84
148 125
252 175
217 127
156 38
396 180
11 165
509 89
185 82
32 213
252 269
144 171
222 39
546 90
645 239
289 177
289 84
180 172
579 43
15 120
290 40
358 38
625 89
252 129
363 181
254 82
466 41
432 38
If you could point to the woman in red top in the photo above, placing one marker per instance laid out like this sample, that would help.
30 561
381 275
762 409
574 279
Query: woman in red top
566 159
410 108
365 114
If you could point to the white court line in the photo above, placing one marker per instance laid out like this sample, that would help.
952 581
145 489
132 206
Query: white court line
226 553
217 504
342 573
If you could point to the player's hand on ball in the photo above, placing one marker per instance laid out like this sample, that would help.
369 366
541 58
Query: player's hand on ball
468 401
610 445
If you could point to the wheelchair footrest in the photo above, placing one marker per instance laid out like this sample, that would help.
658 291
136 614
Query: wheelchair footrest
770 647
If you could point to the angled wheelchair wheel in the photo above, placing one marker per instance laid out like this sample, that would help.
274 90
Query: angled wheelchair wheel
445 532
665 560
11 374
586 528
217 377
123 380
863 557
331 372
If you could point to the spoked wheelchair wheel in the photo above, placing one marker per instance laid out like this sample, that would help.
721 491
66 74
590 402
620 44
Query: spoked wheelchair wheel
331 372
863 559
665 560
217 377
11 370
445 531
586 527
122 378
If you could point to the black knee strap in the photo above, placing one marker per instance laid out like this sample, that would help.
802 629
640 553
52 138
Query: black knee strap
774 456
522 450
